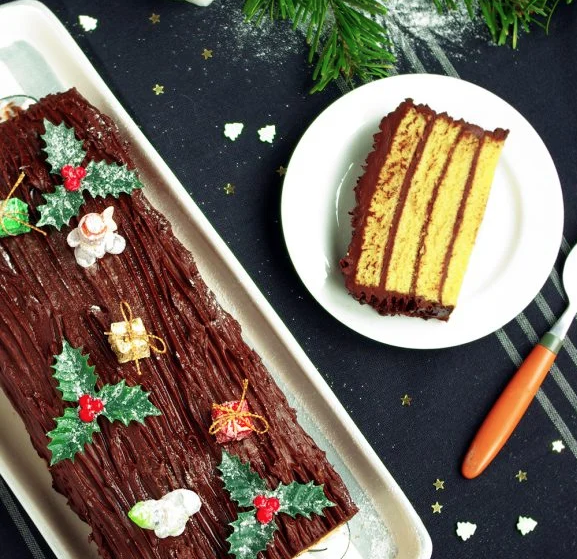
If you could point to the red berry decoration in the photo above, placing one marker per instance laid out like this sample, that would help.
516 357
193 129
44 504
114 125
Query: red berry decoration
260 501
72 184
273 504
264 515
86 415
80 172
266 508
97 405
89 407
72 177
67 171
85 400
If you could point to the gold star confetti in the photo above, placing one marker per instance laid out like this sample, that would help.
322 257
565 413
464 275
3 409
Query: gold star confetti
154 18
281 171
406 400
158 89
557 446
229 188
207 53
521 476
439 484
437 507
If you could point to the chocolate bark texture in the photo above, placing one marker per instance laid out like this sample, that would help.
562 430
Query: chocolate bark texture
46 297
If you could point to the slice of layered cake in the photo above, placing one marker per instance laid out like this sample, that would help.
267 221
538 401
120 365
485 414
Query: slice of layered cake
420 203
161 427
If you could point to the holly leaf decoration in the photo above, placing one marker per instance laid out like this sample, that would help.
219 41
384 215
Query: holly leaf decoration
298 498
62 147
104 178
61 205
74 375
249 536
116 402
70 435
240 481
126 403
101 179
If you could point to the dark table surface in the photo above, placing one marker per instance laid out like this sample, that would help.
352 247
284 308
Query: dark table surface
261 76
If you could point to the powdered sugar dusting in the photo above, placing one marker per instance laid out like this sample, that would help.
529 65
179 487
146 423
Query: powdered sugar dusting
270 41
421 36
418 15
414 24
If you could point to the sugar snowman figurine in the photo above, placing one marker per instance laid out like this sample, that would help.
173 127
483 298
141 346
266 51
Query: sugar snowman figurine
94 237
168 515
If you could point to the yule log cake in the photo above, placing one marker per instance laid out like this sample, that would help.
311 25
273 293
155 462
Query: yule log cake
419 205
160 426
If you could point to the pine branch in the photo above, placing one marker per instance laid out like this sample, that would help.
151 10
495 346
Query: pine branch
349 37
343 34
506 18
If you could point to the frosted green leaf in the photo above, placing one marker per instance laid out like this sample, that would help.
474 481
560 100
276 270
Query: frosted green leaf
74 375
75 379
298 498
249 536
62 147
240 481
60 207
104 178
126 403
70 435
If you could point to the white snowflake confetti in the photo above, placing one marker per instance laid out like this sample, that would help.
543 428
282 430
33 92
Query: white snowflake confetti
557 446
267 133
88 23
465 530
232 130
526 525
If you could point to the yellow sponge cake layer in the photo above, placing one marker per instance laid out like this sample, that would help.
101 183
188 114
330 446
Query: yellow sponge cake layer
386 196
415 212
443 217
473 212
420 203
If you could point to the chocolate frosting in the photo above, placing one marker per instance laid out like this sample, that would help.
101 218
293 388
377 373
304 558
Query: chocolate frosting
45 297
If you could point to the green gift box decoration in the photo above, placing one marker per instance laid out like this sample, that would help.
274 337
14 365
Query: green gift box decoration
13 217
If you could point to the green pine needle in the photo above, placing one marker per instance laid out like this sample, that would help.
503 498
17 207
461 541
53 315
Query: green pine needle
506 18
342 34
347 41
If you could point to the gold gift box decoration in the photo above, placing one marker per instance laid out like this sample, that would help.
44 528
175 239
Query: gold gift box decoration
129 339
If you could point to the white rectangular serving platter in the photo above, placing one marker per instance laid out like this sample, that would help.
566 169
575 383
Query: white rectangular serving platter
37 57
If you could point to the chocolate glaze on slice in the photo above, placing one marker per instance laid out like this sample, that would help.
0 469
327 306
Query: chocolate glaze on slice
384 301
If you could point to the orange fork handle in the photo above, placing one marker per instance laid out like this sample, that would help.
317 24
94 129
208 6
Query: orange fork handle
508 411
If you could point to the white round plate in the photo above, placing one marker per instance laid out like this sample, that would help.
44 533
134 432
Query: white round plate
517 243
